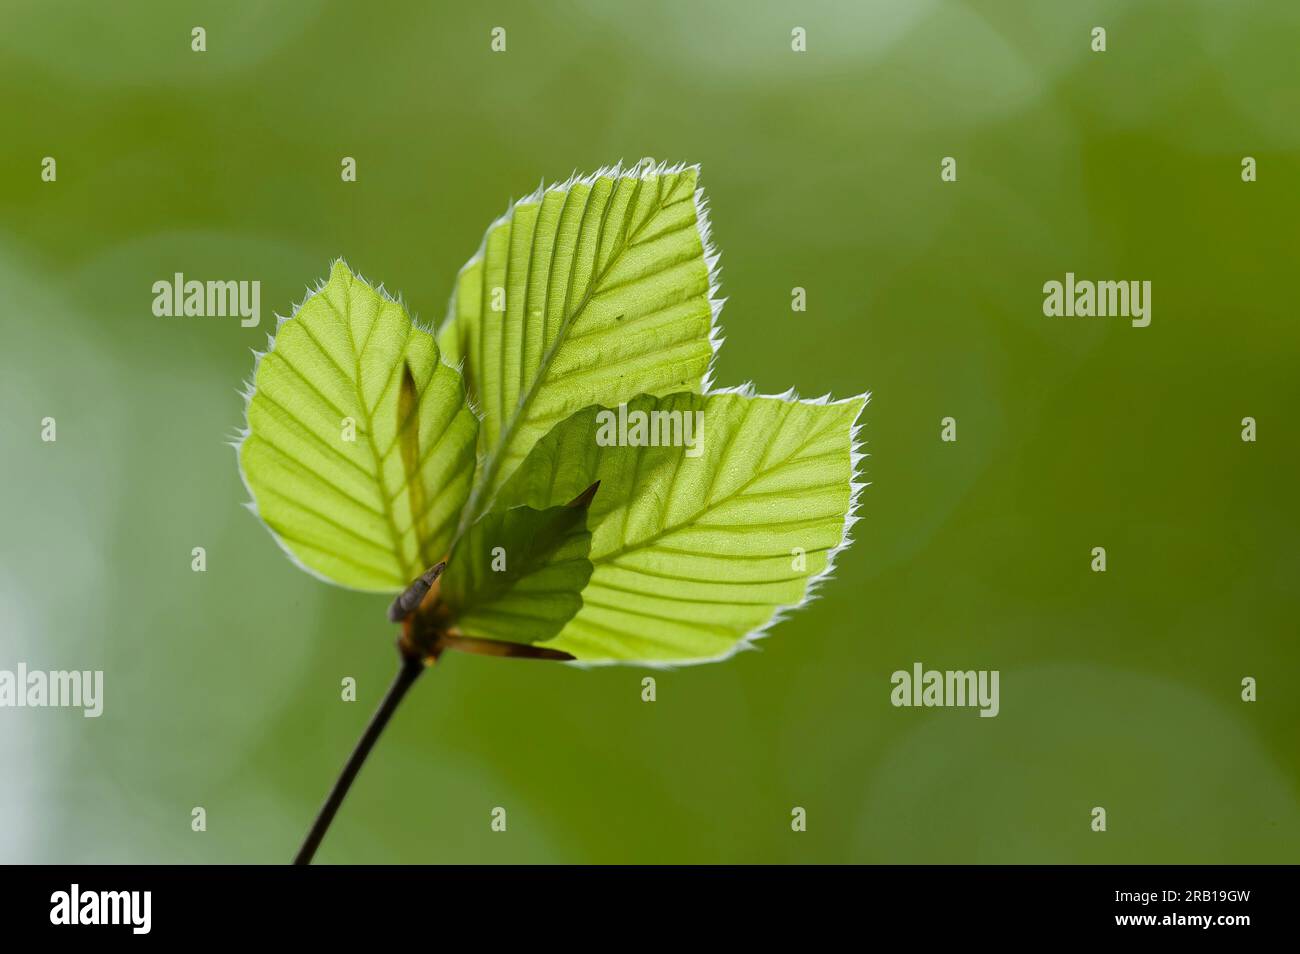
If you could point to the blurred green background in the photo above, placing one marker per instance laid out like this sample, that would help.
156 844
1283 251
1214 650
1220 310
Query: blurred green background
1119 689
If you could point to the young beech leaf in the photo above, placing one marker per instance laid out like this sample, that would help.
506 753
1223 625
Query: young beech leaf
588 292
697 545
360 446
518 574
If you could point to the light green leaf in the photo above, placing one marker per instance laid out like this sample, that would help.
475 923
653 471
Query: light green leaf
341 488
517 574
695 555
589 292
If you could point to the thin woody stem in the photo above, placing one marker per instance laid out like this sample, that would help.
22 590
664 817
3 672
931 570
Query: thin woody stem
423 639
410 670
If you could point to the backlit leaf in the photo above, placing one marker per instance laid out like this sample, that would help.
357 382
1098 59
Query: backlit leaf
518 574
589 292
694 555
345 490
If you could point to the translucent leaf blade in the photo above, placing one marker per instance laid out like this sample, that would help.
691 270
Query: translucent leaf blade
695 555
330 472
518 574
586 293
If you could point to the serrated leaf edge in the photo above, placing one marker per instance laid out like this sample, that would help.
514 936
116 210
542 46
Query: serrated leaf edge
813 586
703 224
249 387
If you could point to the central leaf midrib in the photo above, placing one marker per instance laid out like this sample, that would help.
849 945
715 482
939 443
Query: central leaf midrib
398 551
495 456
710 506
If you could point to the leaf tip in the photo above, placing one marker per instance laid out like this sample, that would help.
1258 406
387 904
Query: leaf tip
583 500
